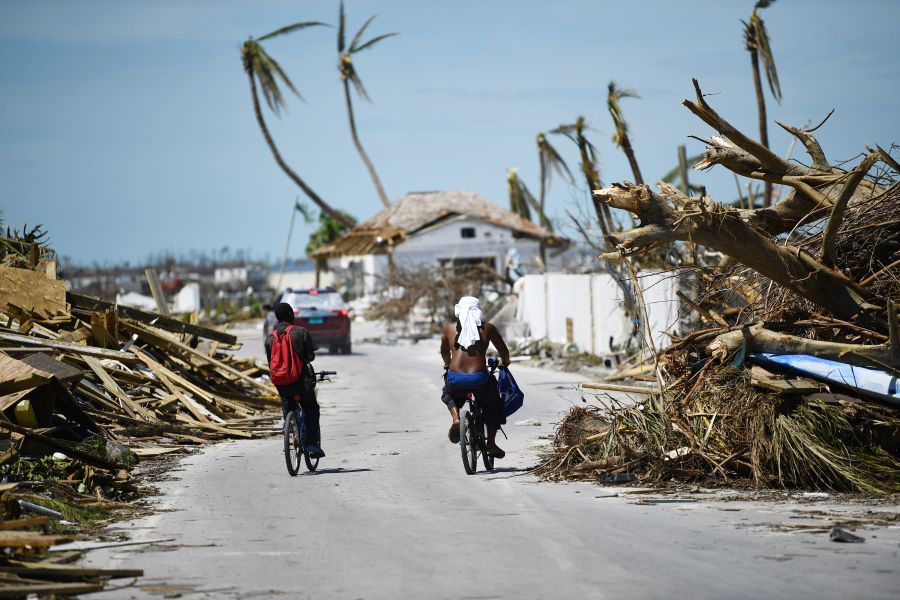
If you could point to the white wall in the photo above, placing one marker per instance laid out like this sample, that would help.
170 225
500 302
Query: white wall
227 275
594 303
444 241
299 280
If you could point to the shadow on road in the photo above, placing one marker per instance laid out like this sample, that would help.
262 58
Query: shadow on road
335 471
506 470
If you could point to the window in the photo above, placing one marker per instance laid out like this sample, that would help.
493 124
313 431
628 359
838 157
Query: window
467 232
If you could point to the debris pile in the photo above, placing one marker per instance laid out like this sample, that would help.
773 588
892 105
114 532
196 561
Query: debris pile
89 389
790 377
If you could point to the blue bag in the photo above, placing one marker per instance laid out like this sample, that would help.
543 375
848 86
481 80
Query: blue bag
510 393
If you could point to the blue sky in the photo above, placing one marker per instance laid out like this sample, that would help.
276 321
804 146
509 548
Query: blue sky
127 128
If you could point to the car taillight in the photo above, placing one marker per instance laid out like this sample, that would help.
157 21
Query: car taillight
341 312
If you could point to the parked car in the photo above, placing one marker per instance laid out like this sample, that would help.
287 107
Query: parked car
324 313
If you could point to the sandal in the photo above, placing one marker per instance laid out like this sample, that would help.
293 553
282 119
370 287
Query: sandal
495 451
453 434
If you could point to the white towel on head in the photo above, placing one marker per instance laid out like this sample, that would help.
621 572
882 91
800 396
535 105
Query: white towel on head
468 311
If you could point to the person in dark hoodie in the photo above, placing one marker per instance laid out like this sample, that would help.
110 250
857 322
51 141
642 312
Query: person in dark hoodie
300 392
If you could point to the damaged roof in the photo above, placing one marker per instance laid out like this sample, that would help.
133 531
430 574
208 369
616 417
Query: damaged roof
418 210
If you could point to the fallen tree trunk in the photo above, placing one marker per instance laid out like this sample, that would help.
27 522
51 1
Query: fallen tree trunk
673 216
759 339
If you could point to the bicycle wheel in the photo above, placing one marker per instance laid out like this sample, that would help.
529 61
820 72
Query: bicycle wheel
311 463
292 447
468 444
486 458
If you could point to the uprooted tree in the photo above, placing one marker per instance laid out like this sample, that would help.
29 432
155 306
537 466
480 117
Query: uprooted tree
750 237
816 273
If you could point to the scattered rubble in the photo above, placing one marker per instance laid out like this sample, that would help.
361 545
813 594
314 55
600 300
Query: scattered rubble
88 390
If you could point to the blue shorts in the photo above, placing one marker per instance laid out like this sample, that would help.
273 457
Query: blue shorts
483 386
468 381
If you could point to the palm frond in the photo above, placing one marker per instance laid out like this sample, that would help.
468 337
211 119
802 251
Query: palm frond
291 29
765 54
342 27
267 72
357 83
373 41
615 110
358 37
306 211
518 202
551 160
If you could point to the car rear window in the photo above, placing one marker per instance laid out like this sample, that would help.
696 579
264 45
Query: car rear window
325 300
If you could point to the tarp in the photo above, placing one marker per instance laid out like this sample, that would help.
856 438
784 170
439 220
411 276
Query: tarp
872 382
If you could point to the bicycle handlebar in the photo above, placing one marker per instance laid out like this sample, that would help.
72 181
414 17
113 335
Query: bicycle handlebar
321 375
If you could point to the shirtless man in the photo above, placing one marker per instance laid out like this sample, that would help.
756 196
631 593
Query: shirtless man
463 347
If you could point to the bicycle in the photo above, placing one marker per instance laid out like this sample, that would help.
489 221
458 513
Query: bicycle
473 432
295 436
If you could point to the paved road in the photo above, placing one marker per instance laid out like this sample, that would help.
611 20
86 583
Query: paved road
391 514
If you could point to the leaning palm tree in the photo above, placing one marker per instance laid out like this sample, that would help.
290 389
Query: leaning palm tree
521 200
756 40
262 68
550 160
350 76
577 133
620 138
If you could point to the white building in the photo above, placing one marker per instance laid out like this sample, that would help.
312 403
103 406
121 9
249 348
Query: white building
298 275
441 229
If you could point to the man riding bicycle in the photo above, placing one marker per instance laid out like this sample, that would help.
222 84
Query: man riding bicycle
302 390
466 365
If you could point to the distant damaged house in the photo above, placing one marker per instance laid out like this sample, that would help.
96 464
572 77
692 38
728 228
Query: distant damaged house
443 229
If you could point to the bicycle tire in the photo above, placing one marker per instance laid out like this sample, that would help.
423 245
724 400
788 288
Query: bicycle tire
292 448
311 463
486 458
467 444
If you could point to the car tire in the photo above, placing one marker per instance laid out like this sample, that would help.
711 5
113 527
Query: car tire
347 348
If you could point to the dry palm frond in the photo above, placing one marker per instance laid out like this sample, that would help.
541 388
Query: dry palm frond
725 430
756 39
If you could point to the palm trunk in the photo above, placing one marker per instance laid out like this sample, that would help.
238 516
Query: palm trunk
360 149
284 166
542 247
761 110
632 160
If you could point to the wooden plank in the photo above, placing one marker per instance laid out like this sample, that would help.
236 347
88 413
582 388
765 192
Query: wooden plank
788 386
66 347
23 523
156 290
160 372
32 291
112 387
88 303
26 588
613 387
211 427
46 568
154 338
33 539
24 382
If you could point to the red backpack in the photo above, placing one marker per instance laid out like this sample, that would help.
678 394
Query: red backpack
285 366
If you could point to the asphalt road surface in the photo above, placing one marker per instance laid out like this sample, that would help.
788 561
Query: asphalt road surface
392 514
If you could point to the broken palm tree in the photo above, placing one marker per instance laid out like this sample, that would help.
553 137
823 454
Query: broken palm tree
815 277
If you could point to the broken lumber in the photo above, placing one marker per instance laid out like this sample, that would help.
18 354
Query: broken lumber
613 387
90 304
65 347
